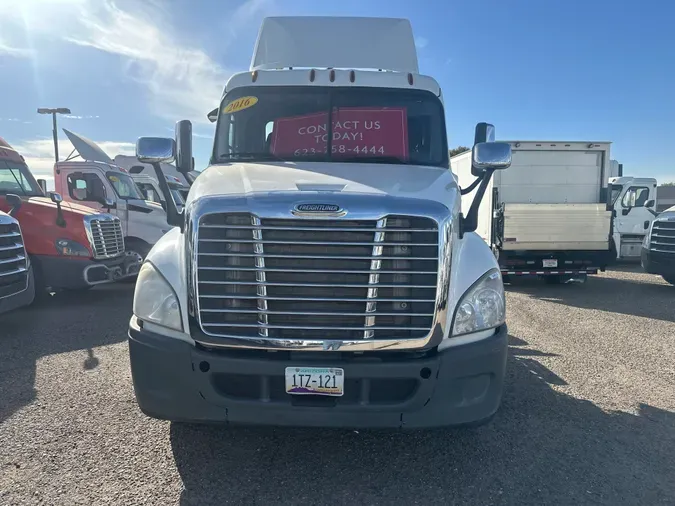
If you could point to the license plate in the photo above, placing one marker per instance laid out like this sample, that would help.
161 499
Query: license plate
315 381
550 263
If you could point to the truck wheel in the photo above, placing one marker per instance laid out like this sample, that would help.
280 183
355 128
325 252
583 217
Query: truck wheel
138 249
670 279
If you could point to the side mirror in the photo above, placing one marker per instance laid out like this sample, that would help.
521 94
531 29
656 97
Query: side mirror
213 115
485 132
625 211
489 156
650 203
184 160
43 184
109 203
55 197
15 202
155 150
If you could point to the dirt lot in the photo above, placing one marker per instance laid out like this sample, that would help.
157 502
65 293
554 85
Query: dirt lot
588 417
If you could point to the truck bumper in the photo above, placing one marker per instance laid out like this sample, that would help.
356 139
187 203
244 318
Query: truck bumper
73 273
23 298
174 380
655 262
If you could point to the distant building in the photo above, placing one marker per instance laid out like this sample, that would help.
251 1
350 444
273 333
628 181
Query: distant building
665 197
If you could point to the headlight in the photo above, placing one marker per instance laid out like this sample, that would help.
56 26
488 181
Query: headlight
648 236
70 248
154 299
482 307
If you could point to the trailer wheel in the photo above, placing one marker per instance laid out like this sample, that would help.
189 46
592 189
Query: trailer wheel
670 279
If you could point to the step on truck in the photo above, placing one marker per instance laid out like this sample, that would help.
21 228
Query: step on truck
17 286
95 180
549 215
323 272
658 248
69 246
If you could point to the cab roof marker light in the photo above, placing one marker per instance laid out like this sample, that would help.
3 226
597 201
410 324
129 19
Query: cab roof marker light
352 76
254 76
410 78
312 75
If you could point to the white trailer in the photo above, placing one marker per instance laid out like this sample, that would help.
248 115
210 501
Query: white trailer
549 213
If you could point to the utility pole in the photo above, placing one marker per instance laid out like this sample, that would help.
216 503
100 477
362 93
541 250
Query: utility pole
54 112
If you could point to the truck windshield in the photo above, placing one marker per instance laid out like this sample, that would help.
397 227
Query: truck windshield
16 178
124 186
360 125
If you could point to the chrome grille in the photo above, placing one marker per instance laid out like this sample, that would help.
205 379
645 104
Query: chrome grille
663 237
316 278
13 260
106 236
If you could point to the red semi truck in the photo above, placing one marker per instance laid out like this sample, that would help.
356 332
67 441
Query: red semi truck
69 246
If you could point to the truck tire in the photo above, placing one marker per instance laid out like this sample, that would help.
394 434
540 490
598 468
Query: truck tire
137 248
669 279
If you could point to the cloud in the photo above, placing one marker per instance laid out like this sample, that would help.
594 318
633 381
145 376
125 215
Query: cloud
181 80
421 42
15 52
73 116
39 153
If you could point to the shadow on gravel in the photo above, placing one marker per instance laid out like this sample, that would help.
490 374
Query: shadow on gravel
65 322
615 295
543 447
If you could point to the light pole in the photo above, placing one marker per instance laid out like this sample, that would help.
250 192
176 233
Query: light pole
54 112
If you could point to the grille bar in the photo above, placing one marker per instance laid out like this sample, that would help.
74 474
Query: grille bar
9 234
317 243
320 299
325 229
323 313
11 260
324 257
305 327
332 271
261 278
325 285
17 245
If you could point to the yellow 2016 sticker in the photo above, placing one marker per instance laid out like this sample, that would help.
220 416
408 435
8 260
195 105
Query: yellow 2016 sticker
240 104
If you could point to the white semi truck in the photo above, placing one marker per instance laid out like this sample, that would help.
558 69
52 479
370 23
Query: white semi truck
658 248
97 182
556 212
17 287
324 271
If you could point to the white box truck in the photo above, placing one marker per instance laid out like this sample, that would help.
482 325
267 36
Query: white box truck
322 273
549 214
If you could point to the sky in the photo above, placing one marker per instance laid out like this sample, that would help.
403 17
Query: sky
600 70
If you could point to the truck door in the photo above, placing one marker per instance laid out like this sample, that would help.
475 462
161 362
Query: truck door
634 213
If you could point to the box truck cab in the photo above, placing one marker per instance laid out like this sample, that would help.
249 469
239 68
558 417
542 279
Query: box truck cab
633 200
323 271
69 246
95 180
658 248
17 285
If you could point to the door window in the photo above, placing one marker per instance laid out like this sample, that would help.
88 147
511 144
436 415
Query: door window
86 187
636 196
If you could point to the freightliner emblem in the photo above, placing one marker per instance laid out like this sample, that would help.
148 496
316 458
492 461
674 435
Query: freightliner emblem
332 209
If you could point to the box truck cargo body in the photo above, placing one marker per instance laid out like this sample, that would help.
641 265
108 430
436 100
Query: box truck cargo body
549 213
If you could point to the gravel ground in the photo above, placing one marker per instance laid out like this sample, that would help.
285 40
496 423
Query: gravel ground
588 417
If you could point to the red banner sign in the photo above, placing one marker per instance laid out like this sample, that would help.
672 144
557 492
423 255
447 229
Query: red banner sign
357 131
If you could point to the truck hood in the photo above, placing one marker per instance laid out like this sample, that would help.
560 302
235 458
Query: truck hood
411 181
667 215
67 207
